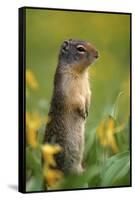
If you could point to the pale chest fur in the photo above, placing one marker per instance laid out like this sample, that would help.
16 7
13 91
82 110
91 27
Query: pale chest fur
77 90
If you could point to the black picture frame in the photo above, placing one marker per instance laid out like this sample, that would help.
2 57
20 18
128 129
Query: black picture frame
22 97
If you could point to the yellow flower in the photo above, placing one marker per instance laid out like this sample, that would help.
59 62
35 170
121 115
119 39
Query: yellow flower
106 131
52 176
33 122
49 151
31 80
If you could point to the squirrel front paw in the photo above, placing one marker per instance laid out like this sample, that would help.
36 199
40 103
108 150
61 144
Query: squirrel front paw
82 113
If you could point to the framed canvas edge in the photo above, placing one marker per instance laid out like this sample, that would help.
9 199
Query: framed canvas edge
22 99
21 92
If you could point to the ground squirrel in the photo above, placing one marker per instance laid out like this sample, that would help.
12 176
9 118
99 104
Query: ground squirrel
70 104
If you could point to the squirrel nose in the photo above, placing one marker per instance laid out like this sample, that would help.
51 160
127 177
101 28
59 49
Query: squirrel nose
96 55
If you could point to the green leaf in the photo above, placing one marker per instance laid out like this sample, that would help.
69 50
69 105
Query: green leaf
116 106
33 161
80 181
116 170
35 184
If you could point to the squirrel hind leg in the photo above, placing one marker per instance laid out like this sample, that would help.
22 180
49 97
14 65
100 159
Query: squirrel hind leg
77 169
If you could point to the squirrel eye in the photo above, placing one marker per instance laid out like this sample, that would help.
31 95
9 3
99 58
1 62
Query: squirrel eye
81 49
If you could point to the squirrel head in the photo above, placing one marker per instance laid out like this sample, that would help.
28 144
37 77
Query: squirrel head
77 54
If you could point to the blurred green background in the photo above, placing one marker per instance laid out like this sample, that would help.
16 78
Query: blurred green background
109 77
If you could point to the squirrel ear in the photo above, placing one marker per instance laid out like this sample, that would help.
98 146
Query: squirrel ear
65 45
